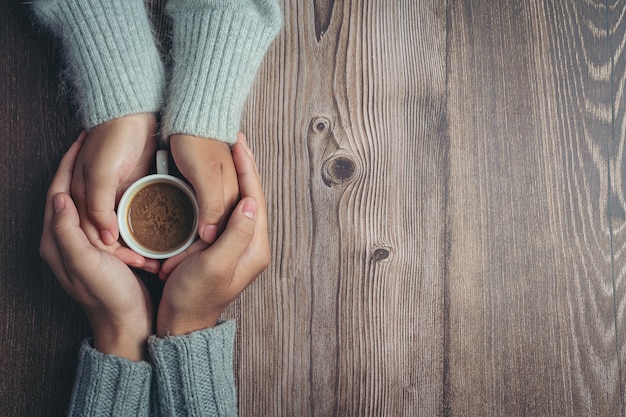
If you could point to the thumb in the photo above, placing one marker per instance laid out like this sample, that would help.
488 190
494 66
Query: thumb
239 231
211 204
101 192
70 238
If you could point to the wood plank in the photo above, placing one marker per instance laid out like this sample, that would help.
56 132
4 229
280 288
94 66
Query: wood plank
531 314
348 122
617 165
40 326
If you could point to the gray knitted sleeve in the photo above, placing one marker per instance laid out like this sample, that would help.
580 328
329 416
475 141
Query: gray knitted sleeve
217 48
107 385
194 373
111 56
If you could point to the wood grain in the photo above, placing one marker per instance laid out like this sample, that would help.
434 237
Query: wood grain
445 184
352 150
40 327
532 327
617 187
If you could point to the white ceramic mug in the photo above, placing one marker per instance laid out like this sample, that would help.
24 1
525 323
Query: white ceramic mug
125 205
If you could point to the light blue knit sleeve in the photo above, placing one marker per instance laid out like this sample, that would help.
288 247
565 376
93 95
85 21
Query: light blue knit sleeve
194 373
107 385
112 59
217 48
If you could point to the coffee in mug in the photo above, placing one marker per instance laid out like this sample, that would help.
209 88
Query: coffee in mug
158 214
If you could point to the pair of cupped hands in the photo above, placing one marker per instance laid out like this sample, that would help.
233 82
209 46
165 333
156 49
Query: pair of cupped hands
80 234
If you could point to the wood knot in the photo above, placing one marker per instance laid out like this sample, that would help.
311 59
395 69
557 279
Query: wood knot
320 124
337 170
323 13
380 254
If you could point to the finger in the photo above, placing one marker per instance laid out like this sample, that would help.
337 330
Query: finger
211 204
239 232
74 247
49 251
152 266
247 173
250 184
131 258
241 138
170 264
60 183
102 188
79 195
231 187
257 258
63 178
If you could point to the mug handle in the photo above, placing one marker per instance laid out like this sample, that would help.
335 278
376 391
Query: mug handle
162 162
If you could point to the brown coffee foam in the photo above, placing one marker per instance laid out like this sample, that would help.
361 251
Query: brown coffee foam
161 217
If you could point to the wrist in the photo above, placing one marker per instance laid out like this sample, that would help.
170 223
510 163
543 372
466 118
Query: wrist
178 327
125 343
139 122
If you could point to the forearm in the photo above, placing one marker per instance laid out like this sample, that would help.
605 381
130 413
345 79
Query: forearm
217 49
110 53
194 372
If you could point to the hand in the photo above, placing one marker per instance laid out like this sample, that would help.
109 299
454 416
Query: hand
114 155
118 305
203 285
208 165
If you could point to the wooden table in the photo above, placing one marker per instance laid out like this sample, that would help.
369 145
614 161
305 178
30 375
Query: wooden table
447 201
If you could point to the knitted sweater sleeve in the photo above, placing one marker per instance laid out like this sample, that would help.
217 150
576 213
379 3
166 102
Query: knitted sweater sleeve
107 385
111 55
217 48
194 373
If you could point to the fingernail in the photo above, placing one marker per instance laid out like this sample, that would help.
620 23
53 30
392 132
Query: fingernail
107 237
163 276
249 208
209 233
137 262
59 203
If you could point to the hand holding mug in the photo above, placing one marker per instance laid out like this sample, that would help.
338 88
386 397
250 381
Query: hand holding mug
117 303
206 281
208 165
113 155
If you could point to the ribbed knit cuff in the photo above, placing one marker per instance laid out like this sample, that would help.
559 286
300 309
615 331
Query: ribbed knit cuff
194 373
112 58
110 385
217 49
